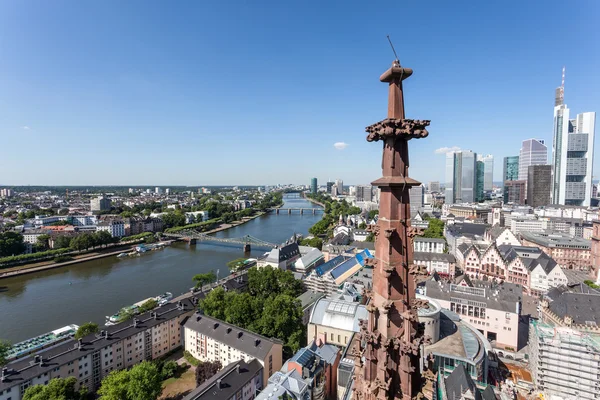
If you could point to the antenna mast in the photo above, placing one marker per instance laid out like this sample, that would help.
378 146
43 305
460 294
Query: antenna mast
562 87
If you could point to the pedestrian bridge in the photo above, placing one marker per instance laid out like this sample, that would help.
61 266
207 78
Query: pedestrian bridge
302 211
192 237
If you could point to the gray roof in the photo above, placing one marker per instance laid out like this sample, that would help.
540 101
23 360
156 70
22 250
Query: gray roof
496 231
557 240
503 297
467 229
426 256
309 297
251 343
582 307
575 277
363 245
24 369
227 382
338 314
459 382
284 253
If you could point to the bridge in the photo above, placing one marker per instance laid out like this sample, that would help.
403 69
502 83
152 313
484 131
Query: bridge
192 237
292 210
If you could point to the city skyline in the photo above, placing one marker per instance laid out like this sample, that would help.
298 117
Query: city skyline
123 89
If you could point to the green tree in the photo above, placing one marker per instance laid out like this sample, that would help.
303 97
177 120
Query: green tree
86 329
56 389
42 241
234 265
62 242
370 237
4 349
214 303
373 213
281 318
102 238
204 279
114 386
240 309
11 243
206 370
354 210
145 382
435 229
169 369
312 242
362 225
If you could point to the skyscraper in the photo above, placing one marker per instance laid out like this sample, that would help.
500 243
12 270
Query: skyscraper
479 180
417 198
488 172
329 186
539 185
510 171
461 177
364 193
572 154
533 152
340 186
434 186
313 185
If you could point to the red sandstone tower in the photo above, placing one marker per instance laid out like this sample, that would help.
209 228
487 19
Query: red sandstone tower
387 363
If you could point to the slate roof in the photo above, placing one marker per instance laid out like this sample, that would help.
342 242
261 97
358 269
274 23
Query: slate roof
582 307
24 369
496 231
284 253
251 343
467 229
340 239
429 240
426 256
555 240
227 382
309 297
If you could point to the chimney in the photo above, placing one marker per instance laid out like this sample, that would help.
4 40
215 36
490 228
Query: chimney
102 332
240 334
180 305
219 383
228 330
256 342
237 368
36 358
135 322
198 318
154 315
216 325
3 374
80 344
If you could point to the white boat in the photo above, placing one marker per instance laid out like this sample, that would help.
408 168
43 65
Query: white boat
121 255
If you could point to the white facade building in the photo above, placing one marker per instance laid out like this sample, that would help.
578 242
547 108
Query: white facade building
428 245
116 228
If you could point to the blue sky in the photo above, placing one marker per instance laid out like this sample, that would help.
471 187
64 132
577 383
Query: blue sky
258 92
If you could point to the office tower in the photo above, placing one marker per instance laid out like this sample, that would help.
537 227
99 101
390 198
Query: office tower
533 152
157 190
479 180
364 193
514 192
539 185
572 155
417 198
167 191
460 177
488 172
313 185
434 187
510 172
340 186
329 186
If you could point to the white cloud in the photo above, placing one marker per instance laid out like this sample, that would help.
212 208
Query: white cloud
444 150
340 145
25 128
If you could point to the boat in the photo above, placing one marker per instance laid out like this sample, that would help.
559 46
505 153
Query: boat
164 298
115 318
141 248
39 342
121 255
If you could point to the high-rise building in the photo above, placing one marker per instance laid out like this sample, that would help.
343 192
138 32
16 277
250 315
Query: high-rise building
100 203
533 152
572 153
479 180
488 172
417 198
515 191
364 193
340 186
461 177
434 187
313 185
329 186
157 190
510 172
539 185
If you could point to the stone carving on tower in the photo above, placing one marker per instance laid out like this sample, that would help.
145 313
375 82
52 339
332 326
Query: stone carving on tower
387 365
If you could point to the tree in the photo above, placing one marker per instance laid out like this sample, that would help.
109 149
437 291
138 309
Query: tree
169 369
282 318
206 370
312 242
4 349
435 229
103 238
370 237
236 264
142 382
373 213
11 243
56 389
86 329
204 279
214 303
62 242
362 225
42 241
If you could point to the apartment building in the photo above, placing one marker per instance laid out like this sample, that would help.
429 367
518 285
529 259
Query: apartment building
569 252
90 359
210 339
493 309
116 227
442 263
238 380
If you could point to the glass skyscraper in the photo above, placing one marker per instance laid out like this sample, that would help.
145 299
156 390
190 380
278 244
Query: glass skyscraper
510 171
313 185
488 172
480 180
533 152
461 177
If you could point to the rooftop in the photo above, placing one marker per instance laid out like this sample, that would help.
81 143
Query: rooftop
557 240
338 314
227 382
309 297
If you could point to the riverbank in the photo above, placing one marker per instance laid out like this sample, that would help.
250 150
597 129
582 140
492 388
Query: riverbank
313 201
224 227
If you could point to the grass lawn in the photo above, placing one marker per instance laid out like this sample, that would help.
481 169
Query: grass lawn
177 388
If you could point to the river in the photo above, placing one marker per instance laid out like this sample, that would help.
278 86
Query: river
33 304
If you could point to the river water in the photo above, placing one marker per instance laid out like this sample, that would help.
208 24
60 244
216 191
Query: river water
33 304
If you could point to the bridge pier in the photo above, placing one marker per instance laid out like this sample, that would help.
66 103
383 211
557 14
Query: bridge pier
277 211
192 241
247 248
302 211
314 211
289 211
